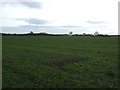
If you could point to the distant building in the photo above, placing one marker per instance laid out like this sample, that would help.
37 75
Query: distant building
96 33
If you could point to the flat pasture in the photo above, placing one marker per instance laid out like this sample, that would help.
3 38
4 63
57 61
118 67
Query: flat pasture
59 62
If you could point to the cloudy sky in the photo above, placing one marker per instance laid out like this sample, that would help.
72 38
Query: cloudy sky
59 16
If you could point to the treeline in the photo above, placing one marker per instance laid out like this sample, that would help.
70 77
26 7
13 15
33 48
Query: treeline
46 34
33 34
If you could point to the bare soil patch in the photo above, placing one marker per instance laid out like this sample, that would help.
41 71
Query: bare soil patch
66 62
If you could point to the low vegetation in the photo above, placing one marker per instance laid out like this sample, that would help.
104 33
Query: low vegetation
60 62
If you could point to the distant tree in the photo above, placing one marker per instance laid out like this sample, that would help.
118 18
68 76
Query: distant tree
31 32
84 34
96 33
14 34
70 33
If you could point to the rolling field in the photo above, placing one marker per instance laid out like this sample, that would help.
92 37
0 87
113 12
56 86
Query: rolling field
60 62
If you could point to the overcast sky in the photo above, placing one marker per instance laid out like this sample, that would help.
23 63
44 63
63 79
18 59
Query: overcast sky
59 16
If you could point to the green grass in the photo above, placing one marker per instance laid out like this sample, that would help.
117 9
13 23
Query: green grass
25 58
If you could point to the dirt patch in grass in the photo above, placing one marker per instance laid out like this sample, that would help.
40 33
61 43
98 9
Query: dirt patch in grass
66 62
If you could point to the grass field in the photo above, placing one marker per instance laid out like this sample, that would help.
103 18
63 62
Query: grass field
60 62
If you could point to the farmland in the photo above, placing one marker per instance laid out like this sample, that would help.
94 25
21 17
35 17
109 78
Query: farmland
59 62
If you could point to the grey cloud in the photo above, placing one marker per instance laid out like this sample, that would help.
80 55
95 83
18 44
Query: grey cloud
95 22
70 26
35 29
52 29
27 4
32 4
34 21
